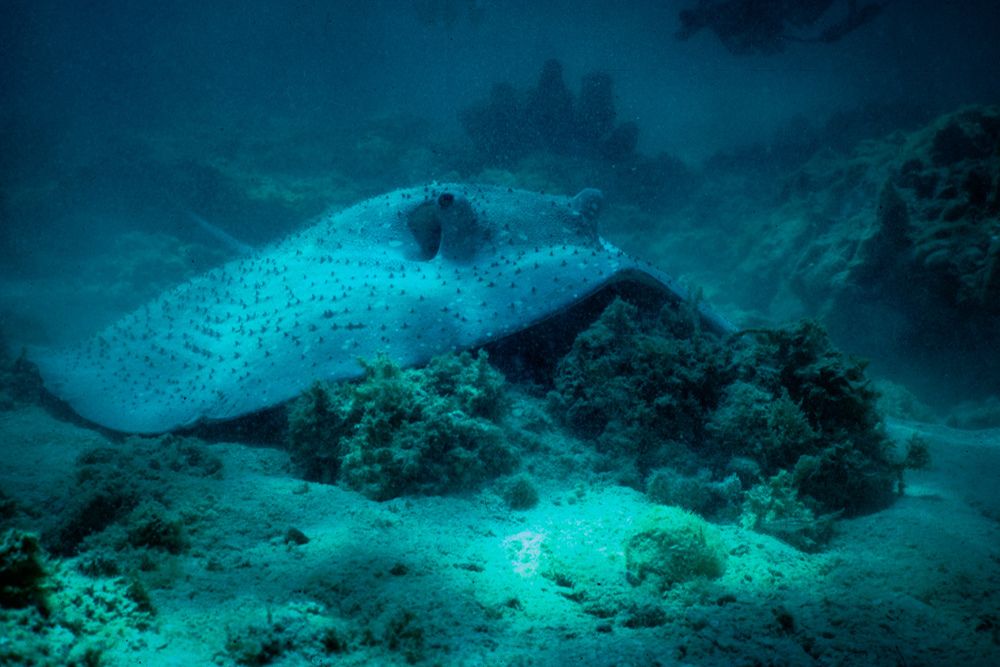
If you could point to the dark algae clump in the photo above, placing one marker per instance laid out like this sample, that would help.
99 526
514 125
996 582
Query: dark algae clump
780 410
403 432
21 570
821 414
637 386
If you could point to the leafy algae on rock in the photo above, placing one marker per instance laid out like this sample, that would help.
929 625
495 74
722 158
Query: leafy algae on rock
670 546
657 391
630 385
398 432
829 412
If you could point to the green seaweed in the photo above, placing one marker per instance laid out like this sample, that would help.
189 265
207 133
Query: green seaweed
399 432
670 546
707 414
635 386
856 471
774 507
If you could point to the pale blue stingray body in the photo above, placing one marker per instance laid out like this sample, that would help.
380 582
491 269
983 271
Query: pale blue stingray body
410 274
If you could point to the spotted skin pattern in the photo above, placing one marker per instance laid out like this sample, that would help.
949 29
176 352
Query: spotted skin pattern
411 274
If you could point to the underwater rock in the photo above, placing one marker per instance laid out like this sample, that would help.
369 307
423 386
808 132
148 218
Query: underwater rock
595 109
79 618
976 414
950 177
20 383
511 124
621 143
399 432
912 217
497 126
549 109
659 393
294 536
301 630
21 570
8 506
893 243
152 527
748 27
101 499
127 487
450 13
520 493
671 546
898 402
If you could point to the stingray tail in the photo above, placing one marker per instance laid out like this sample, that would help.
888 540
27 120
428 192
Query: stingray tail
220 235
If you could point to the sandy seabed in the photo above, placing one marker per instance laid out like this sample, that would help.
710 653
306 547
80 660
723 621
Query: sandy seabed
464 580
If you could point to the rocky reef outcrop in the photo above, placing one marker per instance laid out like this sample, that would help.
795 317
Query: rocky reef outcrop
926 224
779 420
894 244
547 137
512 123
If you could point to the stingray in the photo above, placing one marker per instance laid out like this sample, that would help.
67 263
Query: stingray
410 274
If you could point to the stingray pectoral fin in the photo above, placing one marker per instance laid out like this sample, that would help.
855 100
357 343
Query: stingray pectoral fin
653 277
98 396
228 240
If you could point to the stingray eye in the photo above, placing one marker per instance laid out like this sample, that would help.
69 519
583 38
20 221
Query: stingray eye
446 200
425 230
